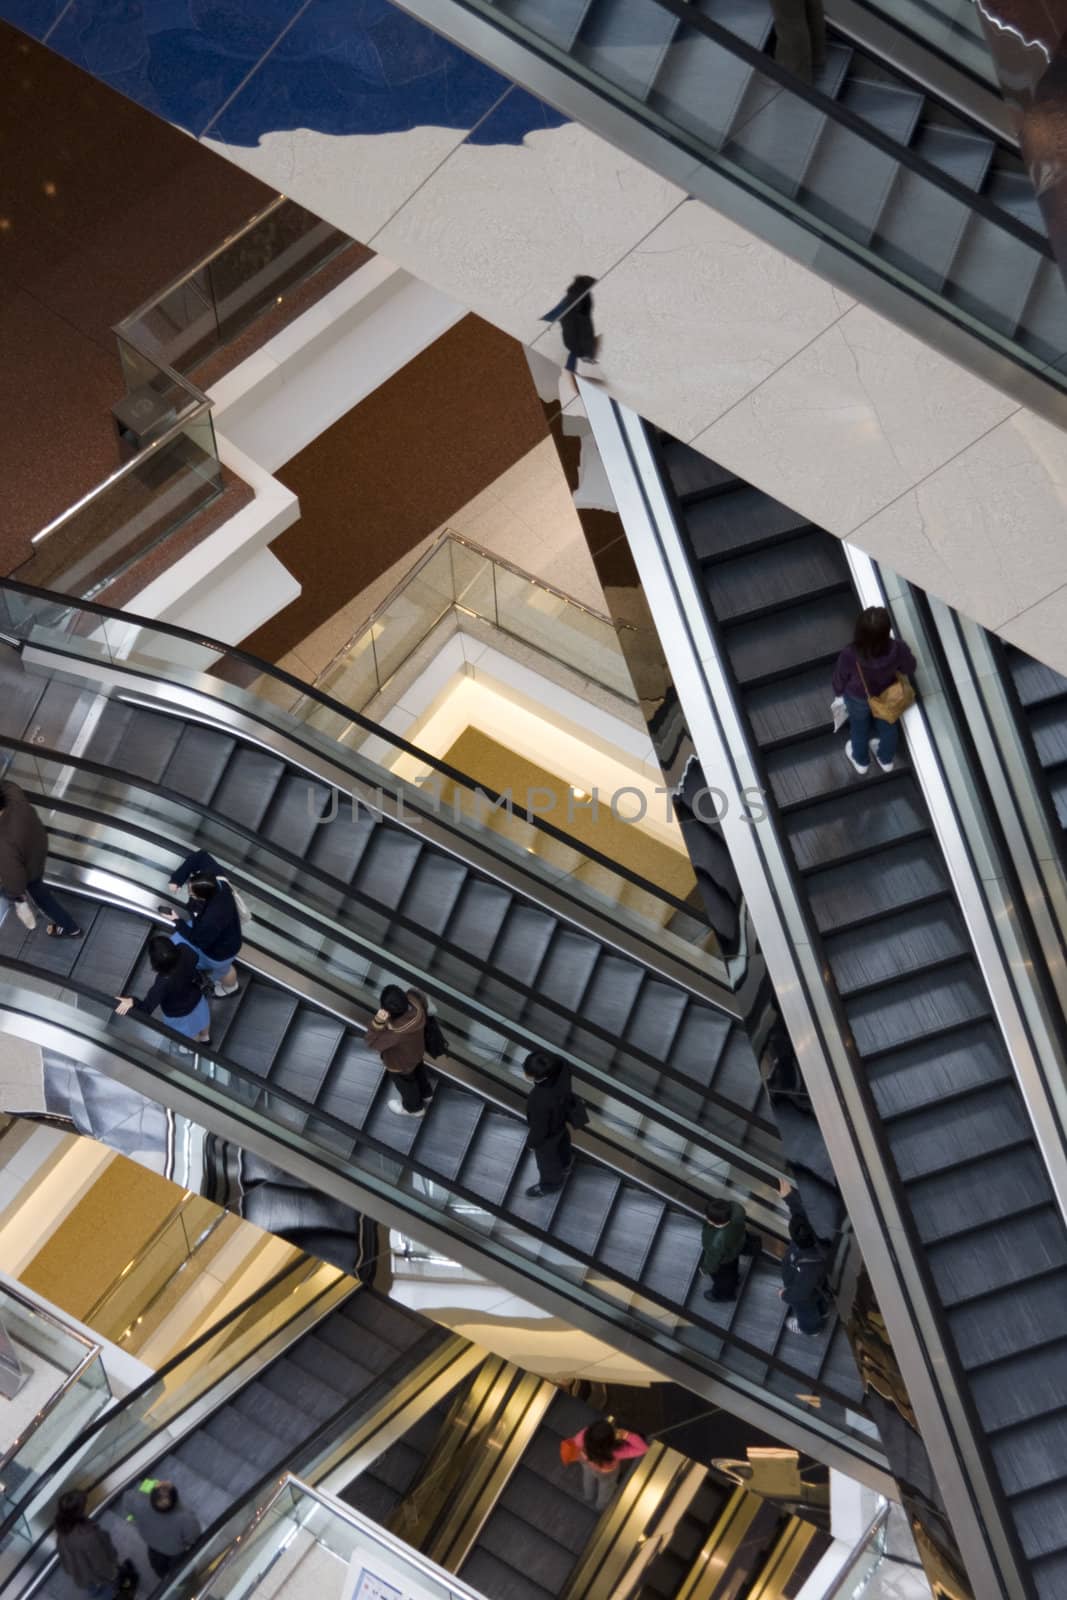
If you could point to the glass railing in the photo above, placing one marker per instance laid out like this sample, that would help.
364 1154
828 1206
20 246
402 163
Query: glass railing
26 1515
147 1290
407 1191
456 578
854 1579
703 80
53 1383
300 1535
386 772
210 304
646 1107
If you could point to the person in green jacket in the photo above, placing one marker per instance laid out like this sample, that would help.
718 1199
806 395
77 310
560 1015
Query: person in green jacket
723 1237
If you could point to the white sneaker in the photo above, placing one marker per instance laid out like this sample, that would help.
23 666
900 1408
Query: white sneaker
397 1105
24 912
863 771
886 766
222 993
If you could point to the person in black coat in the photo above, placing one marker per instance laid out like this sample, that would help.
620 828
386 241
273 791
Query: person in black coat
575 313
548 1112
804 1287
213 925
176 991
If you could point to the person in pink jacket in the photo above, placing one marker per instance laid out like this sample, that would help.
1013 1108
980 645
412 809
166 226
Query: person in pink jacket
600 1448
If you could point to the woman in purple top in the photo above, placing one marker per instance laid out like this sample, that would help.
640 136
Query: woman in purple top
868 666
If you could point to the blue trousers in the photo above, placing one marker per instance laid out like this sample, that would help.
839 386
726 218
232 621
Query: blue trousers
860 726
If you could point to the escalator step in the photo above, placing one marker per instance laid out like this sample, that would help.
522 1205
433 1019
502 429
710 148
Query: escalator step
495 1154
1039 1520
341 1373
1012 190
1048 727
901 942
107 955
273 1412
528 1545
815 768
1023 1387
198 762
585 1205
568 967
841 897
906 1012
478 918
672 1263
992 274
699 86
338 845
928 1073
496 1579
815 632
1009 1322
737 520
690 472
522 944
313 1396
801 567
263 1015
961 152
835 830
543 1481
352 1083
387 865
610 997
955 1203
939 1138
624 41
791 708
220 1464
653 1026
892 107
699 1043
631 1229
555 20
848 181
247 786
449 1128
292 820
1034 681
774 134
306 1051
258 1444
1009 1251
435 886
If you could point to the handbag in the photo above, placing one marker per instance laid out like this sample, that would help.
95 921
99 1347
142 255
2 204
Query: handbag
569 1452
577 1113
891 704
244 916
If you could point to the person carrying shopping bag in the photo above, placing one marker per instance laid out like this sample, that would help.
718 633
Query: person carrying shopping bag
871 675
600 1449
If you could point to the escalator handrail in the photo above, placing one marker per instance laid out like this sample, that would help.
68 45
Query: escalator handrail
115 1044
752 1164
401 745
525 991
104 1418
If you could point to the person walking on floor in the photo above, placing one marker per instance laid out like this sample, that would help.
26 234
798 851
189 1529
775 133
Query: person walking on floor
800 36
551 1107
724 1236
866 668
23 856
166 1527
804 1287
398 1034
85 1551
600 1449
575 313
213 924
176 991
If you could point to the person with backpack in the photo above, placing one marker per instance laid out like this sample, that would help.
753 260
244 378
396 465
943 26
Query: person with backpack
167 1527
724 1237
213 925
86 1551
552 1108
397 1032
23 855
868 676
804 1288
176 992
600 1449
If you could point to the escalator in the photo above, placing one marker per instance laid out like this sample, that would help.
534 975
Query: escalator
1041 694
867 157
479 1487
508 941
298 1070
365 1347
918 1012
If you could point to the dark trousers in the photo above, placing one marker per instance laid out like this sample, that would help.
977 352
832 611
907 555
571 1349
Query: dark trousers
725 1278
160 1563
413 1087
553 1159
811 1314
800 32
49 907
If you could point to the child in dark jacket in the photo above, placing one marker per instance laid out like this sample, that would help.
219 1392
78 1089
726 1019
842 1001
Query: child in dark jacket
804 1287
723 1237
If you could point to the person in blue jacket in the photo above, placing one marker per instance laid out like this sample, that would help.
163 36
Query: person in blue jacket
212 926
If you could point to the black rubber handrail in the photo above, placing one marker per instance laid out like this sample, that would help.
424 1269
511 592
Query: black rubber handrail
673 1121
105 1418
403 746
286 1135
526 991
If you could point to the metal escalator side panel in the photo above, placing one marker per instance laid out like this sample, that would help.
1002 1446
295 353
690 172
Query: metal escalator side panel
953 1442
500 1441
724 1559
789 1562
614 1559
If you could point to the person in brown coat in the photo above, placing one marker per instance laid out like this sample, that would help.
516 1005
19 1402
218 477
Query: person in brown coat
398 1034
23 854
